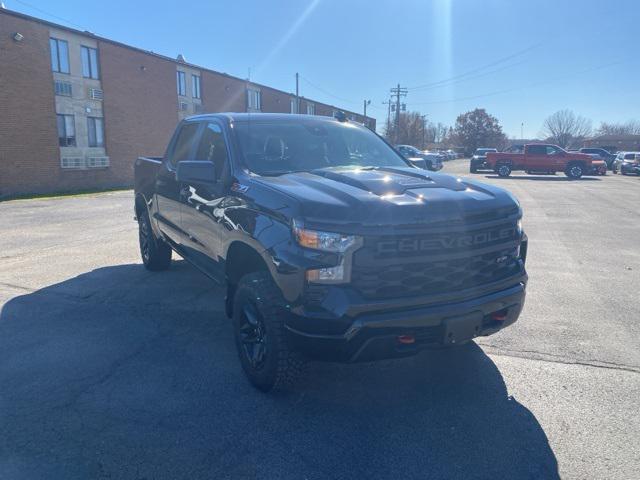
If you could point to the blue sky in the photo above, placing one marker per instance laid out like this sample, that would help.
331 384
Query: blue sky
521 60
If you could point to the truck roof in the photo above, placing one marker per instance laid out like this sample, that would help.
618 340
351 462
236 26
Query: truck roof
244 117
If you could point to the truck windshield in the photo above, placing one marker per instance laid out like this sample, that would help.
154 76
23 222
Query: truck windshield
275 148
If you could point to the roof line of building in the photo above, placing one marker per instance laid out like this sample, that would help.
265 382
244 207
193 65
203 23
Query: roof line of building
87 33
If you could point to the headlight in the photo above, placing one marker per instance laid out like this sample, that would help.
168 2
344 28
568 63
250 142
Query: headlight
325 241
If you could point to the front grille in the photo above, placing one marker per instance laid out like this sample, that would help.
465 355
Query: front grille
382 273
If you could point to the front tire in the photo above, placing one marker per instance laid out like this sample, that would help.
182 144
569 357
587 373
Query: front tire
155 253
574 171
473 169
503 170
258 325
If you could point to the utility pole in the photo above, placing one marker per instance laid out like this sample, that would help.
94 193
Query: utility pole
366 102
397 93
424 131
297 93
388 125
522 131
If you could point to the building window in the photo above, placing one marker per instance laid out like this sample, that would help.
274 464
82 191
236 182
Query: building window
89 62
63 88
95 128
66 130
195 84
253 99
59 55
311 109
182 83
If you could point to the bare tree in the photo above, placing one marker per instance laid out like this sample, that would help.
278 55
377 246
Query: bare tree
632 127
565 128
436 132
413 130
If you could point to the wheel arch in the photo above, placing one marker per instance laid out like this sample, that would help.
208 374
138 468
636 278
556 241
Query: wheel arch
241 259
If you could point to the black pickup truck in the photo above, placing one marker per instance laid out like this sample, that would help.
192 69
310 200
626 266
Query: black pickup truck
330 245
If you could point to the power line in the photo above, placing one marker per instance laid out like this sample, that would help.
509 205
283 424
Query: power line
474 77
478 69
536 84
342 99
28 5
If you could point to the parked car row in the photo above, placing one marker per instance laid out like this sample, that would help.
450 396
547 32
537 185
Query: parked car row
626 163
421 158
537 158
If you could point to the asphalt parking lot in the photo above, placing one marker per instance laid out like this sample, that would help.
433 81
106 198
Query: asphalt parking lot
109 371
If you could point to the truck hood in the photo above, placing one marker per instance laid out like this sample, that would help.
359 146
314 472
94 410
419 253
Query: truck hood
388 196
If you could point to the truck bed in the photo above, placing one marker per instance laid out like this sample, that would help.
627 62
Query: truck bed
145 169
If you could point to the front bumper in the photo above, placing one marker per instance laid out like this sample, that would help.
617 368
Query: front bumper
597 170
480 163
630 168
376 335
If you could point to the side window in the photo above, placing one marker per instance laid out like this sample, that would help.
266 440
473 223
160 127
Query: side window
552 150
182 147
212 147
629 156
537 150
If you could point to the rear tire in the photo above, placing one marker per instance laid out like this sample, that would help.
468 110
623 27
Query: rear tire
473 170
258 325
503 170
155 253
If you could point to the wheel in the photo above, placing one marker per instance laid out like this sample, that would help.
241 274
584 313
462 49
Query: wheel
258 325
574 171
504 170
429 166
473 169
156 254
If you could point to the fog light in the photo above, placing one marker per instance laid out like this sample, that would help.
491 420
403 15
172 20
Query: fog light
500 315
326 275
406 339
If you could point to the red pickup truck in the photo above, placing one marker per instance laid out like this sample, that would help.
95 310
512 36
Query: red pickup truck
539 157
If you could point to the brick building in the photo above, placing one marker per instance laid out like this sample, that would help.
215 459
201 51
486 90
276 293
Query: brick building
76 109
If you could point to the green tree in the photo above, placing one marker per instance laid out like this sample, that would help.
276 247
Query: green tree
476 129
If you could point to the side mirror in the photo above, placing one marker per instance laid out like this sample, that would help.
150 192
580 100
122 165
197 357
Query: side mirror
196 171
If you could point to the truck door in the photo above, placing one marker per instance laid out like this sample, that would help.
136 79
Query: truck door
168 197
204 204
555 158
535 157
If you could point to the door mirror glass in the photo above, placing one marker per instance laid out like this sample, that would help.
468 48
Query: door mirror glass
196 171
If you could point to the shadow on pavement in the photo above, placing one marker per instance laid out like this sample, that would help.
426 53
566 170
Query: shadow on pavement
121 373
